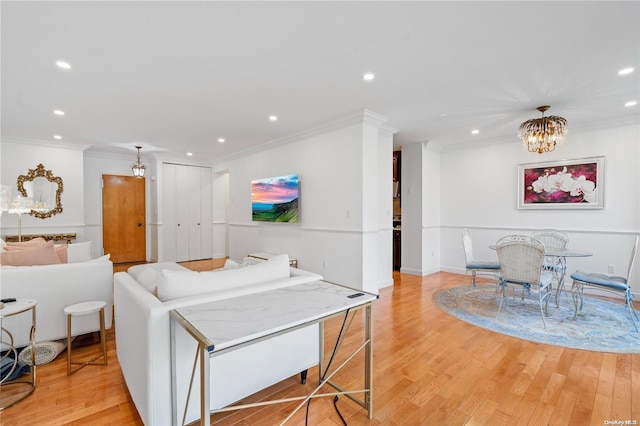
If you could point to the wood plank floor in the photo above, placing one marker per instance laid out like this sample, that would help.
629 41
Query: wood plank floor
430 369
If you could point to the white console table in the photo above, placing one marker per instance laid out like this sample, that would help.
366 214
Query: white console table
231 323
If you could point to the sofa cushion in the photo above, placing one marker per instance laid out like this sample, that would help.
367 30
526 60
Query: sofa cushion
44 254
177 284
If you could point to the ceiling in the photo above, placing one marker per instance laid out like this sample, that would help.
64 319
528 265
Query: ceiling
177 76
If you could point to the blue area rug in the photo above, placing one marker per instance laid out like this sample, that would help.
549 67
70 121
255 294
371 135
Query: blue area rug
601 326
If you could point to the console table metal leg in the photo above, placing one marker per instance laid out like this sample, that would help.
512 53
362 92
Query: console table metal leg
368 399
205 412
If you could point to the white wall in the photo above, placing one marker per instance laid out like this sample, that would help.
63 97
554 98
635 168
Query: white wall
341 202
96 165
17 157
478 191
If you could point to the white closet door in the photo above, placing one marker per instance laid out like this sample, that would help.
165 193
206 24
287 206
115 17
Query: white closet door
183 189
169 212
206 215
195 226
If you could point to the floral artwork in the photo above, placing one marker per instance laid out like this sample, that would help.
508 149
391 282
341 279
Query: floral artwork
563 184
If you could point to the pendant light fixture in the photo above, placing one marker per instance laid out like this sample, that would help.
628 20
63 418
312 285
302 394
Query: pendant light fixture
543 134
138 168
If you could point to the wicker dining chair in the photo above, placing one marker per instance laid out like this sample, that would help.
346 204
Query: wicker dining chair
554 238
608 283
477 267
521 258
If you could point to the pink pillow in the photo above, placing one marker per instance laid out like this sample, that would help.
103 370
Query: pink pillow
24 244
44 254
61 251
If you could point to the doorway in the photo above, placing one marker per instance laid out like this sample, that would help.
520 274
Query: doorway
123 218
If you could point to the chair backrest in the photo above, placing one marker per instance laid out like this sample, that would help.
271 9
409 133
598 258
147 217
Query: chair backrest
552 238
521 258
632 260
468 246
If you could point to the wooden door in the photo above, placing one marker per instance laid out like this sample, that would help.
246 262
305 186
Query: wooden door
123 218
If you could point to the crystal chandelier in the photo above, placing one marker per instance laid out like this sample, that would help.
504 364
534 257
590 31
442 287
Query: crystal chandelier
543 134
137 167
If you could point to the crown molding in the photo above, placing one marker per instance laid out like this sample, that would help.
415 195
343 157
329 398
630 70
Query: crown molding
47 143
339 122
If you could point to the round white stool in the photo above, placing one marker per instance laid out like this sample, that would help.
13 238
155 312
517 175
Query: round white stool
85 308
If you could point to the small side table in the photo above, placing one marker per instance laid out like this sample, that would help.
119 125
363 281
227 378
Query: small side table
293 262
86 308
18 389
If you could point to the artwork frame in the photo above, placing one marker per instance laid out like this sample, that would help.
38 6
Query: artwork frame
275 199
562 184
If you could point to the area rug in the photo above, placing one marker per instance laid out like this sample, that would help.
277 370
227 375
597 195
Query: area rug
601 326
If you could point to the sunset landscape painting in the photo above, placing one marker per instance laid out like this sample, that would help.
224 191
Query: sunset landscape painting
275 199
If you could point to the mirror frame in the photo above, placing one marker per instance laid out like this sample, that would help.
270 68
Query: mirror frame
39 171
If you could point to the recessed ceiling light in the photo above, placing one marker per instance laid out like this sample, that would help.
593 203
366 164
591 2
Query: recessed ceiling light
369 76
58 112
625 71
189 154
475 131
443 114
57 137
273 118
221 140
631 103
64 65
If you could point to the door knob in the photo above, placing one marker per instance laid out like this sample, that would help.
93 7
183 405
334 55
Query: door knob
139 224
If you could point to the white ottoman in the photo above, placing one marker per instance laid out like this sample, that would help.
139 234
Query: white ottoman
86 308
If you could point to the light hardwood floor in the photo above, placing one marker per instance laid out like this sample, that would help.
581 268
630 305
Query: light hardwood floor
430 369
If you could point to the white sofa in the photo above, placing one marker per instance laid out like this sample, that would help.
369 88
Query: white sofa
55 287
143 337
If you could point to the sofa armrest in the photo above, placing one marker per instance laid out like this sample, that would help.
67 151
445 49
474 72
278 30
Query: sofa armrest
142 342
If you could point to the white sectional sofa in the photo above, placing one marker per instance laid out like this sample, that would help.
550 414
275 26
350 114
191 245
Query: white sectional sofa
55 287
143 298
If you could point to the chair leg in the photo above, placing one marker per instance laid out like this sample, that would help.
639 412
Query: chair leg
576 295
632 311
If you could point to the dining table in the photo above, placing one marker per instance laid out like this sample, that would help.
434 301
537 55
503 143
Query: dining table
558 267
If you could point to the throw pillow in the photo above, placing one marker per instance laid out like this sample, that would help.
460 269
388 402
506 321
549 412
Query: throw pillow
39 255
177 284
149 280
3 244
61 251
31 243
79 252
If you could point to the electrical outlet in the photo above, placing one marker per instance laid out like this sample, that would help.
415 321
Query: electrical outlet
611 269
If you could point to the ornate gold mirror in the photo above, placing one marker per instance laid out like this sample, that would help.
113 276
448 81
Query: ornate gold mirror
44 189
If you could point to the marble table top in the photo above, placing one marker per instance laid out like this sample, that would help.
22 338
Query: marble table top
225 323
20 305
